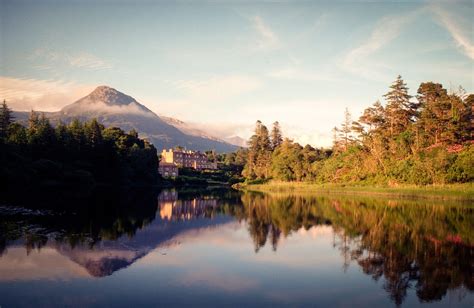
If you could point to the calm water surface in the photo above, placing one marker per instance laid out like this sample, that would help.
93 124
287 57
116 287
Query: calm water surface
229 249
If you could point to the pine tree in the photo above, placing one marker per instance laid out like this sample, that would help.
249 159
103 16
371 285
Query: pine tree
469 102
33 126
335 139
276 136
6 118
434 110
346 129
93 130
259 153
373 117
76 129
400 112
17 134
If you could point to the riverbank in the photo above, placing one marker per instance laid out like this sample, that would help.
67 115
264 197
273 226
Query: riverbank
451 191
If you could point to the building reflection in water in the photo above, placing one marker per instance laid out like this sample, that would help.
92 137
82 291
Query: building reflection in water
171 208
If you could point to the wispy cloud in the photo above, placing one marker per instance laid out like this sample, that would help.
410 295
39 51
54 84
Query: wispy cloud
49 58
460 29
87 60
298 74
218 87
386 30
45 95
267 39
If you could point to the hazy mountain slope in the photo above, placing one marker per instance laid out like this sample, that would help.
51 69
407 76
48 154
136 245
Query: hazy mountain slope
192 130
113 108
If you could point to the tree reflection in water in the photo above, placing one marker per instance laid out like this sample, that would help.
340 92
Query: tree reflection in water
423 245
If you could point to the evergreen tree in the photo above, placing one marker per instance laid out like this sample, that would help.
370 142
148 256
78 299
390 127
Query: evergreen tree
276 136
17 135
6 118
76 130
62 134
399 111
373 117
33 126
434 111
335 139
93 131
259 153
346 129
469 103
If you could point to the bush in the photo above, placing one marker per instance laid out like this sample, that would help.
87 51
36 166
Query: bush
462 170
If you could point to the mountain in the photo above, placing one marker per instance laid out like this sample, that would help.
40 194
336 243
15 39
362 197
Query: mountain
189 129
236 140
114 108
192 130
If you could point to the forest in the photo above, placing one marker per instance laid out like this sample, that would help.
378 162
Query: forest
423 140
70 159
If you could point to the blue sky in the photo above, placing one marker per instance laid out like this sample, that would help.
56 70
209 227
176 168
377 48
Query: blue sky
224 65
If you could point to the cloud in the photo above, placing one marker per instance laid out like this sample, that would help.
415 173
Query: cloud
292 73
298 118
87 60
101 107
48 264
214 278
224 130
267 40
218 87
385 31
461 30
49 58
44 95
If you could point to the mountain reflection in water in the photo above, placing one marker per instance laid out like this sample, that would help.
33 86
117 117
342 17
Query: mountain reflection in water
414 251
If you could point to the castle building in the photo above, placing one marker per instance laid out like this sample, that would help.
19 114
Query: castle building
187 159
167 169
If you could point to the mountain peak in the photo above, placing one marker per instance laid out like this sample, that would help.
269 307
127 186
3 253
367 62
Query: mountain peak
110 96
106 100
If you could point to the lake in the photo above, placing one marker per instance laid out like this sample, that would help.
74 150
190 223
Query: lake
226 248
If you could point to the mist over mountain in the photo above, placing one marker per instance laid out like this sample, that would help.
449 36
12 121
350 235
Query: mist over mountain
114 108
195 130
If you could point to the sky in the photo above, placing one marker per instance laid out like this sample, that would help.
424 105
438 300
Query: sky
224 65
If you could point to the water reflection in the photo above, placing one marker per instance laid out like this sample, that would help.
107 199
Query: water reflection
172 208
403 245
418 245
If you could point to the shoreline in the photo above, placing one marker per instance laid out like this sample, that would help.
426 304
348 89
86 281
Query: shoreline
440 192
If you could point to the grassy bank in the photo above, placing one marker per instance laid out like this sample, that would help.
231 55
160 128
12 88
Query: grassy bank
451 191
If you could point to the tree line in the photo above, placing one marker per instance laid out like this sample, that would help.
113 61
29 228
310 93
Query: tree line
422 140
78 154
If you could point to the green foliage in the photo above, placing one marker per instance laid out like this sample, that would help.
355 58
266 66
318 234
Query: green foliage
401 142
6 118
78 154
259 157
462 170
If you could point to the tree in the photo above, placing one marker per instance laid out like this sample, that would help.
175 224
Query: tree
346 129
399 112
276 136
76 129
259 153
434 109
93 131
6 118
469 102
17 134
335 139
373 117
